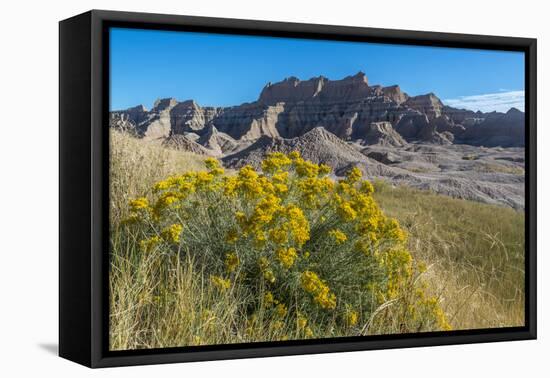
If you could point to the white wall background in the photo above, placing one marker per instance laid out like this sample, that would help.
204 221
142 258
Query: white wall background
29 189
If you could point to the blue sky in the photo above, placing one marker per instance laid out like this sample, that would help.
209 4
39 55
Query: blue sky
223 70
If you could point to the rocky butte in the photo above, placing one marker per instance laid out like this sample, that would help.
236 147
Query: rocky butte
415 140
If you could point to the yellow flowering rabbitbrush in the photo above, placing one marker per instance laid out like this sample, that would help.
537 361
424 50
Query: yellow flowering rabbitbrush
338 236
231 261
319 290
289 237
172 233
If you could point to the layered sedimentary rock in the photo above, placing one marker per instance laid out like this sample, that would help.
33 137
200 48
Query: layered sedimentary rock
153 124
427 104
497 129
188 116
350 108
182 142
395 94
382 133
128 119
218 143
249 121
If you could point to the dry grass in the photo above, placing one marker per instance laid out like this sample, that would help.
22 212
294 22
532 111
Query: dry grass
187 311
475 253
136 166
498 168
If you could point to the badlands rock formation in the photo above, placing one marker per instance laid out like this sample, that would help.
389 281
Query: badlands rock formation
347 108
415 140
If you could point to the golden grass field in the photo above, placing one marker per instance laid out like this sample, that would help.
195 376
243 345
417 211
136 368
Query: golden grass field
468 261
475 253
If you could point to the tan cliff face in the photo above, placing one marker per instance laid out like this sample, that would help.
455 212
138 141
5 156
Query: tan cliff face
346 108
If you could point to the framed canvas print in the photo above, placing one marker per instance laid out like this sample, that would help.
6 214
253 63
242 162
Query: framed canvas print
234 188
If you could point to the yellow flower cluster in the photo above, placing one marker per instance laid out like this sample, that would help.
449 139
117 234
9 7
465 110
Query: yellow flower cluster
269 299
231 262
355 205
338 236
320 291
172 233
176 189
315 190
221 283
301 321
265 210
439 314
351 317
354 175
213 166
275 162
305 168
287 256
140 203
398 265
296 224
248 183
302 325
180 186
149 243
345 210
269 218
281 310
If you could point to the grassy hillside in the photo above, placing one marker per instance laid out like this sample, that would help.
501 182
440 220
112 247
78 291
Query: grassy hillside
137 165
473 254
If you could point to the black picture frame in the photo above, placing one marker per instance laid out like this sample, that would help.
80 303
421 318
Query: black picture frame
84 195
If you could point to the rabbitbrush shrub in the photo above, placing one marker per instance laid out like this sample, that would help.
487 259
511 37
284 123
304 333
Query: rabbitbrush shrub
301 253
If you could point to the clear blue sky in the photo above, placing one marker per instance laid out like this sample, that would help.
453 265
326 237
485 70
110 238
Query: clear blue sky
222 70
